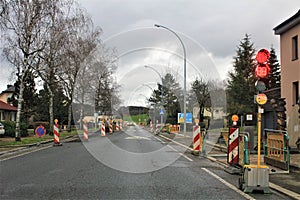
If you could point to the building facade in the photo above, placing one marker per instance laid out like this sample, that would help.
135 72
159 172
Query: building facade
289 32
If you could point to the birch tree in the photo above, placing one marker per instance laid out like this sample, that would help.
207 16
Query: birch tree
25 25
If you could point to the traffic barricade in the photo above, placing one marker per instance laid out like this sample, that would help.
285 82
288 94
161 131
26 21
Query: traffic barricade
277 151
174 128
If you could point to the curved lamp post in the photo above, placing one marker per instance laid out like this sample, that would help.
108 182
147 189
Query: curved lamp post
146 66
184 73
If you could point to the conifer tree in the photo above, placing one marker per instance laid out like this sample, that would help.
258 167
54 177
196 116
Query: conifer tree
274 74
241 83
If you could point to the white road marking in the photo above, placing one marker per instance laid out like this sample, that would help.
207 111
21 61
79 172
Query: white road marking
189 159
187 147
228 184
25 153
137 138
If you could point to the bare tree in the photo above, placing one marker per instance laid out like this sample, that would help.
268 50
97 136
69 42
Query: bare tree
83 39
25 25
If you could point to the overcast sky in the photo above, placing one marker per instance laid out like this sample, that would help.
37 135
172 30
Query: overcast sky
213 28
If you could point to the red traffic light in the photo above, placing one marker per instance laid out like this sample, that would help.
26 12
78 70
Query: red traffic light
262 56
262 70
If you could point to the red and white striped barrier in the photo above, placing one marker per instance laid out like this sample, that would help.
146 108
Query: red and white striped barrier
85 132
110 128
121 126
196 139
56 134
233 146
117 127
156 127
102 130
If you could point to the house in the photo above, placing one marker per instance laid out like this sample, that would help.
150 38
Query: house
289 32
7 112
6 94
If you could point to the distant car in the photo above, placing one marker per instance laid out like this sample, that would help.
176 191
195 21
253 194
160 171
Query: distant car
2 131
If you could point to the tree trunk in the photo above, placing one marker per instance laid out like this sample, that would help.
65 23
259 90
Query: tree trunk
18 118
51 124
69 116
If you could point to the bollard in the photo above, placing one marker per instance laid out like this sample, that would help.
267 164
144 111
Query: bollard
102 130
56 134
110 128
85 132
196 140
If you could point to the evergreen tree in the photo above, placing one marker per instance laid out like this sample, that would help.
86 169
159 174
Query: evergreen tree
29 96
169 95
274 74
241 84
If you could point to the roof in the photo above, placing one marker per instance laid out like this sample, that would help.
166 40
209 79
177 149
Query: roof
288 24
5 106
9 89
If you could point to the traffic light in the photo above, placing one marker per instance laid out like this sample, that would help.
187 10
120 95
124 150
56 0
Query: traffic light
281 116
262 69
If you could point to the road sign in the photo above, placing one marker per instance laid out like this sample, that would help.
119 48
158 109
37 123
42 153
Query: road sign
235 118
261 99
40 131
189 118
161 112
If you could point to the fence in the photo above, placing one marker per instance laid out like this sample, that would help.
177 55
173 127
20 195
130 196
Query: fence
277 149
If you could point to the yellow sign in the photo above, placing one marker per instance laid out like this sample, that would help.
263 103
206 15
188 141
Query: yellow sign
261 99
196 121
56 121
235 118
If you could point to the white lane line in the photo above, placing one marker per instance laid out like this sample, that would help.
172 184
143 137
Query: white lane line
228 184
187 147
189 159
25 153
159 140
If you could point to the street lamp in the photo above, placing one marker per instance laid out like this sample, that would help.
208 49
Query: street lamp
161 115
184 74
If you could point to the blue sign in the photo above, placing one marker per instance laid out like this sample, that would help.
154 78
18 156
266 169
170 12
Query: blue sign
161 112
189 118
40 131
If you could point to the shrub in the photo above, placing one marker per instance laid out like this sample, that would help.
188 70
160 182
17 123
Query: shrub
10 128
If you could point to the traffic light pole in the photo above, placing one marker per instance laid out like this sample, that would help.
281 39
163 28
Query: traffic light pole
258 135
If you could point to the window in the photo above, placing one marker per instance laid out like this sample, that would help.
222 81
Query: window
295 93
295 47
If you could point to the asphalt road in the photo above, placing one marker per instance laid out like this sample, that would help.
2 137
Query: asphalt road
130 165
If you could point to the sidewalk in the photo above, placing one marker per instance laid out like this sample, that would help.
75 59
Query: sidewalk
285 182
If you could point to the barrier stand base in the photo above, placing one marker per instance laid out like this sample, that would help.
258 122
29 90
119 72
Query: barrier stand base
57 144
195 152
255 178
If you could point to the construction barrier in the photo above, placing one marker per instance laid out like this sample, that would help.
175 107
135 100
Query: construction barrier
110 128
56 134
156 127
196 140
102 130
277 149
233 141
174 128
85 132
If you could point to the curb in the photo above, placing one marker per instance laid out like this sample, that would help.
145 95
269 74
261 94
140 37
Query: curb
26 146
